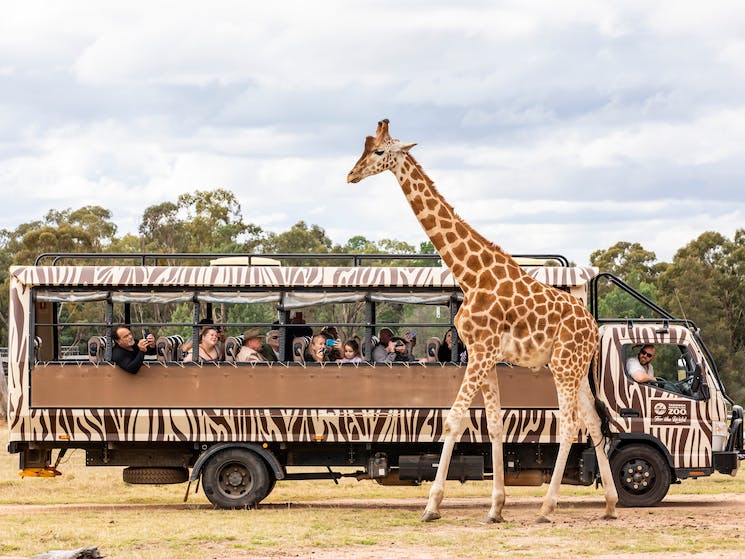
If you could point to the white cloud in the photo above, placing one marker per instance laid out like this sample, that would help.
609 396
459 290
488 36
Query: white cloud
551 127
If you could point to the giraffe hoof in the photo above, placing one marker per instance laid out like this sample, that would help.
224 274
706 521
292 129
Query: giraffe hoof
610 516
493 520
541 519
429 516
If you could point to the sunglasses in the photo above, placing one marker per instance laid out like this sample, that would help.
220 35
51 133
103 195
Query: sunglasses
650 355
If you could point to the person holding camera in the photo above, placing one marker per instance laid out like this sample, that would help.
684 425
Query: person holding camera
317 350
388 350
383 352
333 343
401 353
129 353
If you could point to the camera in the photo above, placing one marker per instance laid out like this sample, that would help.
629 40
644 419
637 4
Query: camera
411 334
399 344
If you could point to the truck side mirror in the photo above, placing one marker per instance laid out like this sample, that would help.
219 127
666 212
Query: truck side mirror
697 384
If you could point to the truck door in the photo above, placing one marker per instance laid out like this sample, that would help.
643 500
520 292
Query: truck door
676 412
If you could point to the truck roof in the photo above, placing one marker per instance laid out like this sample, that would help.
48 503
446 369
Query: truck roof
357 277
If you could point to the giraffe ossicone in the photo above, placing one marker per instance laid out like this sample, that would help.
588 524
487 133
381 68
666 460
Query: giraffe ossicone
506 316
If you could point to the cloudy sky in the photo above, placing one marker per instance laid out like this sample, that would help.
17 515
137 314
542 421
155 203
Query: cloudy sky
552 127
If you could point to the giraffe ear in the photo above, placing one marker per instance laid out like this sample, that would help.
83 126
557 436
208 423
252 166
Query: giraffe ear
407 147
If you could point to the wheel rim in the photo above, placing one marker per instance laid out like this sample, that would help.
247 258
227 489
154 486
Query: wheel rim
637 476
234 480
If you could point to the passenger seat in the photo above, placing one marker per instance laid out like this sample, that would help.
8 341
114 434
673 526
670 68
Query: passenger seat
299 345
233 345
96 348
167 348
432 347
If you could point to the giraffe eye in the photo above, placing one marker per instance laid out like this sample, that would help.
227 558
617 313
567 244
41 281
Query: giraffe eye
379 152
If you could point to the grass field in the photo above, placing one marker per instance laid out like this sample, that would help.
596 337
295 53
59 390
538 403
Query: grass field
352 519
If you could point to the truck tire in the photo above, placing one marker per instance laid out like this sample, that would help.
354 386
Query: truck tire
641 474
155 476
236 478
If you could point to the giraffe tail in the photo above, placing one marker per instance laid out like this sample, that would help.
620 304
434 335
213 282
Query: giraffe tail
600 407
604 416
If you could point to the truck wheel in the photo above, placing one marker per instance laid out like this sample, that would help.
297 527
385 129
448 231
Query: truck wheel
641 474
235 478
156 476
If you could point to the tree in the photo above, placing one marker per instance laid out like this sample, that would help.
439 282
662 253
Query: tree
87 229
360 245
299 239
615 303
3 393
625 260
6 258
162 230
215 223
634 265
705 281
203 221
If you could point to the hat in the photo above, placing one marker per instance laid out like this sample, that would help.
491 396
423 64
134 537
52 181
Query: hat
252 333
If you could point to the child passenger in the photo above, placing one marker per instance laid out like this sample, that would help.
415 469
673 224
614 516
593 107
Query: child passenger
352 352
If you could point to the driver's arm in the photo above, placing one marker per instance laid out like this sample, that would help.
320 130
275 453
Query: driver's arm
640 375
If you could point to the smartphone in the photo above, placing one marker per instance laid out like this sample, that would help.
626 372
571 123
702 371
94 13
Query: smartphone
331 343
145 333
411 334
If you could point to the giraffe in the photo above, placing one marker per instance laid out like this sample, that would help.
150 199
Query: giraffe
506 316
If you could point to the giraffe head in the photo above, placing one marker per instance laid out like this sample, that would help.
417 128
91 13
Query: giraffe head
381 152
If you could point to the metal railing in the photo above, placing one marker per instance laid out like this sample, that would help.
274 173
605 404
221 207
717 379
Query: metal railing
152 259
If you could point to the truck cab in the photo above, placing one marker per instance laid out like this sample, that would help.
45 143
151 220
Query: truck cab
681 425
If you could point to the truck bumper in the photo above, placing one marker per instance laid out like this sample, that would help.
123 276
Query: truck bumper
726 462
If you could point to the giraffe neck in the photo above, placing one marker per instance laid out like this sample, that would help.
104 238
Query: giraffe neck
462 249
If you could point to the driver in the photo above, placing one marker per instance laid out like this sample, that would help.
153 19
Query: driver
640 367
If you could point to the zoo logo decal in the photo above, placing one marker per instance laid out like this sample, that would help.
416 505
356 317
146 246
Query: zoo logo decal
671 413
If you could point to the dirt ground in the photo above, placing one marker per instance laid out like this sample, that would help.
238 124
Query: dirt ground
700 516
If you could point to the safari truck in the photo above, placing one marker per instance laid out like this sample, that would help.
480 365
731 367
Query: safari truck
238 428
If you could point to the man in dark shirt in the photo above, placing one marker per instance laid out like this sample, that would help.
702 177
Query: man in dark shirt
128 354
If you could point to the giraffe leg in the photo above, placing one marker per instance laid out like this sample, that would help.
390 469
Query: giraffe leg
567 429
495 424
452 429
589 416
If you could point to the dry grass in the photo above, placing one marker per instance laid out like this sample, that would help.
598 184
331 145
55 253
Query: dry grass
92 506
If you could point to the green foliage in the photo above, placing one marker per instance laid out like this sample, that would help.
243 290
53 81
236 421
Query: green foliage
359 244
203 221
616 303
87 229
299 239
182 313
705 282
634 265
626 260
247 315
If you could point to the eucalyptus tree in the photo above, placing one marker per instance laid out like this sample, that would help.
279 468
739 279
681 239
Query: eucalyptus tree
634 265
706 284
